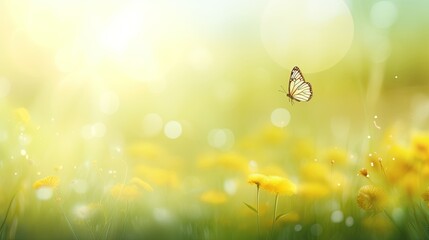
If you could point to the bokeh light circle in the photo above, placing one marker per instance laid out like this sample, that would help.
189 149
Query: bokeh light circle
337 216
383 14
280 117
312 34
173 129
221 138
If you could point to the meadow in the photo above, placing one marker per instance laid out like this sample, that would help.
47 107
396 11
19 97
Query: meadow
166 120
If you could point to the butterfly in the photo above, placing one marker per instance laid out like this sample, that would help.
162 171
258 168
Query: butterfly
299 90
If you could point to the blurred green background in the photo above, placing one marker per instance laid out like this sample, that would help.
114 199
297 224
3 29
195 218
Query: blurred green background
98 93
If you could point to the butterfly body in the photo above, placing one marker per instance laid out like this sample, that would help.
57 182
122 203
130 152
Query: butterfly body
299 90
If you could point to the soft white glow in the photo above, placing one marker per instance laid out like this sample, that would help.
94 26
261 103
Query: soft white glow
280 117
173 129
349 221
306 33
152 124
121 29
383 14
230 186
221 138
108 102
44 193
337 216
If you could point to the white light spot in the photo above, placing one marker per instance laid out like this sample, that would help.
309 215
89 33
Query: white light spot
230 186
79 186
369 137
337 216
44 193
350 221
316 229
152 124
24 139
108 102
221 138
383 14
253 165
280 117
173 129
4 87
23 152
81 211
298 228
162 215
396 77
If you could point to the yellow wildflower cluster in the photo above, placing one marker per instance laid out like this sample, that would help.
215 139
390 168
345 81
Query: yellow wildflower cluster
273 184
213 197
49 181
130 191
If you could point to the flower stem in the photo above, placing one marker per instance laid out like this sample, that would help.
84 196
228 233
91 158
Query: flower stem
275 213
257 211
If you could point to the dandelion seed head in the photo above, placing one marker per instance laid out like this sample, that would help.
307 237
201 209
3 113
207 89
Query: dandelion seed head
297 227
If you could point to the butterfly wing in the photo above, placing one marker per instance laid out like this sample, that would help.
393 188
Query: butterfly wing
299 89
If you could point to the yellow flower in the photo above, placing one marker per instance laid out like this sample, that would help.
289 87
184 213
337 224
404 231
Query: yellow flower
273 135
213 197
371 198
49 181
420 144
158 176
337 156
256 178
146 151
142 184
233 161
315 172
278 185
313 190
125 192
